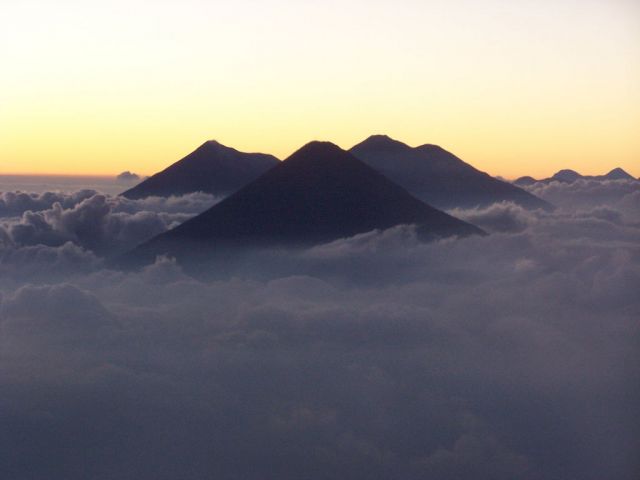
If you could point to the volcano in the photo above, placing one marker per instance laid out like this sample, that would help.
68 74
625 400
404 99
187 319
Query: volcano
438 177
211 168
319 194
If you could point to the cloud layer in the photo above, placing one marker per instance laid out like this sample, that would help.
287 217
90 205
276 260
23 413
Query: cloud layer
513 355
100 223
621 195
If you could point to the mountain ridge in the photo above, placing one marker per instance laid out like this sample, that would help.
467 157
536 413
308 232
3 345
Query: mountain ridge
569 176
437 176
319 194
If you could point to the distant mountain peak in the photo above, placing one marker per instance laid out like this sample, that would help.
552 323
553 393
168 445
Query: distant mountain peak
566 175
569 176
211 168
618 174
525 181
128 176
381 142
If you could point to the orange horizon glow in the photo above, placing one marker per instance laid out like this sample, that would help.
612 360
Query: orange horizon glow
512 88
111 174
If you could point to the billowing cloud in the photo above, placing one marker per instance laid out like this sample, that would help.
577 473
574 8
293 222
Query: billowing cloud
499 217
512 355
43 263
102 224
53 310
622 195
16 203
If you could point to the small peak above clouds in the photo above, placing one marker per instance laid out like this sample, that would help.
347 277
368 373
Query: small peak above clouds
618 174
569 176
566 175
524 181
128 176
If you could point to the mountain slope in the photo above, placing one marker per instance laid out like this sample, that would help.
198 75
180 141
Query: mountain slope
211 168
438 177
319 194
615 174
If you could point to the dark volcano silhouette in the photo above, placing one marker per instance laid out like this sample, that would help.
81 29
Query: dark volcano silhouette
616 174
438 177
319 194
211 168
566 175
570 176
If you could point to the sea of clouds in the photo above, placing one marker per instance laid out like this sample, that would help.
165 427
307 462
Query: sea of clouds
509 356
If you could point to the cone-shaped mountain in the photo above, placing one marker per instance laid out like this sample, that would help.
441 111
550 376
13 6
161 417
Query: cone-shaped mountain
438 177
320 193
211 168
617 174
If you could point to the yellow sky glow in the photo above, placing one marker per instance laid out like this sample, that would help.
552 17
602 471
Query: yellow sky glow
514 88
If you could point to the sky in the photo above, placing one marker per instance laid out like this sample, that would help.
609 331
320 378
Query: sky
512 87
